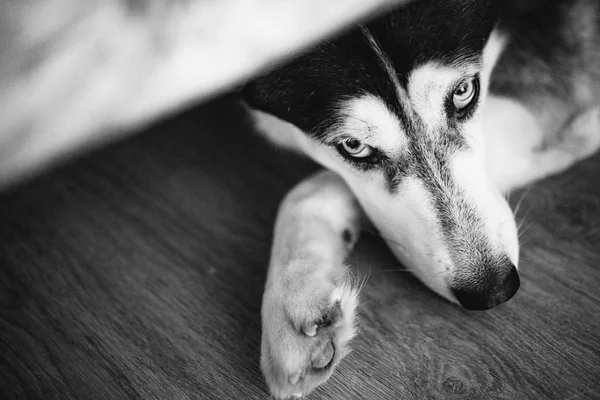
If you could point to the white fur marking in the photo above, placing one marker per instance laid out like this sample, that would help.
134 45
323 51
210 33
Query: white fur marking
427 88
370 120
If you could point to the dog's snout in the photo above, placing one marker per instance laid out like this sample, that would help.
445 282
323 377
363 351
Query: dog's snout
489 291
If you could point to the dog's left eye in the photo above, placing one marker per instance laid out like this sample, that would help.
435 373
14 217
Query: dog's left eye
464 94
355 148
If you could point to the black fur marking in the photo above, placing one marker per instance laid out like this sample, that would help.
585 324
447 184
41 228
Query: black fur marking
448 32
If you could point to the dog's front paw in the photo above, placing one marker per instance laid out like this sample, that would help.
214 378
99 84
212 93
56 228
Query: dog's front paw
308 321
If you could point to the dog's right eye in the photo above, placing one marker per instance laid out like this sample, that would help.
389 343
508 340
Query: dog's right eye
355 148
463 99
463 95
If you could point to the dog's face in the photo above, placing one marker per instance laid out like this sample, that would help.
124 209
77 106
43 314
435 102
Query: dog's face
395 108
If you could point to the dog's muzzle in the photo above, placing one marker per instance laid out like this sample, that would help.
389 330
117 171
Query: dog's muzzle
490 290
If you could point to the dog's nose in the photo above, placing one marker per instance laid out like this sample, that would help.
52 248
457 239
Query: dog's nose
487 292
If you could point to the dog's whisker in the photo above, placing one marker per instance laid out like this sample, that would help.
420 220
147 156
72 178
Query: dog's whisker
521 234
365 302
357 280
524 230
524 227
523 219
520 202
363 282
522 222
524 243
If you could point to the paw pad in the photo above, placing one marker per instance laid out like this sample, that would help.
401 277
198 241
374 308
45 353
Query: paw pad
323 355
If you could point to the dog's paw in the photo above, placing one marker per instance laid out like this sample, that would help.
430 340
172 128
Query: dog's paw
308 322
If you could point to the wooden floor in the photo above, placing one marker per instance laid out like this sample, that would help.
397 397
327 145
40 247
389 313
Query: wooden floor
137 273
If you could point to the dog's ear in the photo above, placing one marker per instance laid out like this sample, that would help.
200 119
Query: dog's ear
266 93
307 90
290 93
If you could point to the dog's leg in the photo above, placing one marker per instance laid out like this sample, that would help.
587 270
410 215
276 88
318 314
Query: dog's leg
518 151
310 297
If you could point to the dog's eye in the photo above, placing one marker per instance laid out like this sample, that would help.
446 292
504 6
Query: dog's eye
464 94
356 148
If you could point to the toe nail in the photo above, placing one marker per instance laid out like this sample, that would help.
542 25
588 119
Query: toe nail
295 378
310 331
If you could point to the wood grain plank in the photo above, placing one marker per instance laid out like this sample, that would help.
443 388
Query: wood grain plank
137 272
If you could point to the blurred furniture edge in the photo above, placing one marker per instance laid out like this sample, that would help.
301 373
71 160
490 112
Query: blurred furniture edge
74 75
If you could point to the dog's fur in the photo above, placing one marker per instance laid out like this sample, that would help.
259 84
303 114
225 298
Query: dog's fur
434 182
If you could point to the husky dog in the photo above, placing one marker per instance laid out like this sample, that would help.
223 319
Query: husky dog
424 119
